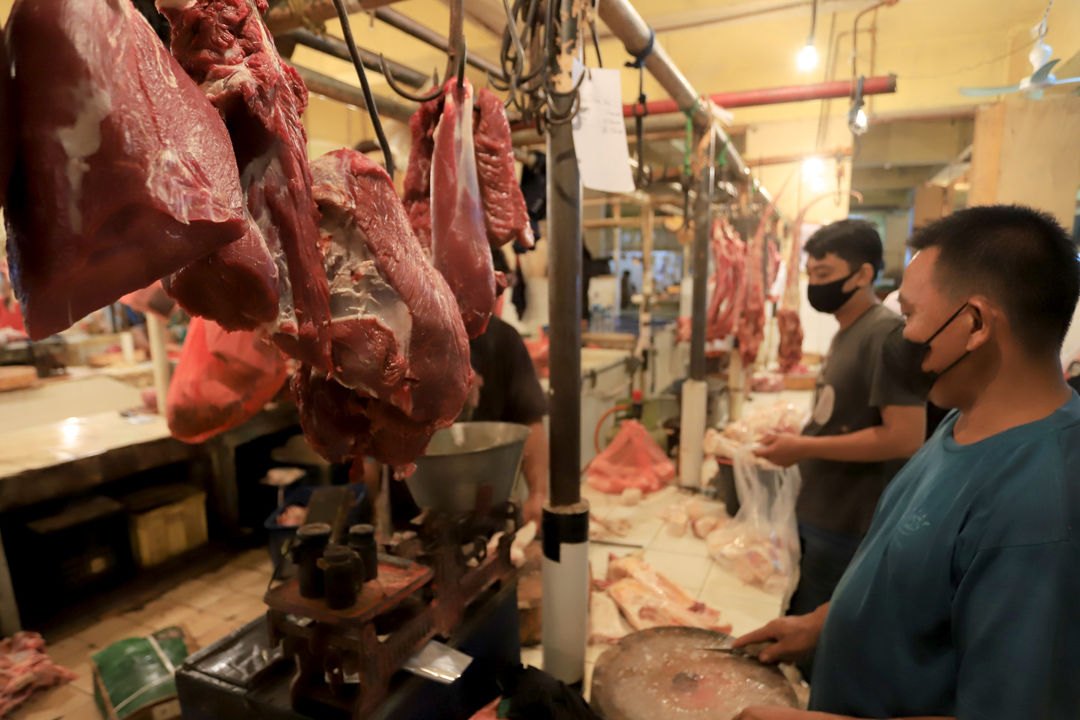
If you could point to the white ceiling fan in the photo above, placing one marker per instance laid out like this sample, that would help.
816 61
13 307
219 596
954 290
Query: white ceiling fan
1042 76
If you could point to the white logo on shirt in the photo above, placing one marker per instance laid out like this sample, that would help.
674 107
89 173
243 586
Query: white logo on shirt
913 522
825 405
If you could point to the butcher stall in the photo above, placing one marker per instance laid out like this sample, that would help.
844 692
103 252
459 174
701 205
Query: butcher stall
244 322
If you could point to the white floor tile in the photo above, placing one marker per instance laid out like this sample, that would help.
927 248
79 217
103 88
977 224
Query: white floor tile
744 606
685 545
686 571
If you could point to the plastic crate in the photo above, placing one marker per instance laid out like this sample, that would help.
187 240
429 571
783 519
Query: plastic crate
164 522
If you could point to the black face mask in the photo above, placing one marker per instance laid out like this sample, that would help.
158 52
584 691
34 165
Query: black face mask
905 358
829 297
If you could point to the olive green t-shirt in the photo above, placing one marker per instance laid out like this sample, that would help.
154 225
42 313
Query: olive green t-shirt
852 388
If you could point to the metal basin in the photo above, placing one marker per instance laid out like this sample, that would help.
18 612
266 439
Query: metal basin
467 462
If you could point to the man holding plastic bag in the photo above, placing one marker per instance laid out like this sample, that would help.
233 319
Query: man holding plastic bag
961 601
866 422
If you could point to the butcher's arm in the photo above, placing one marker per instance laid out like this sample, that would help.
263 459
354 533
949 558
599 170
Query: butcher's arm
899 436
535 466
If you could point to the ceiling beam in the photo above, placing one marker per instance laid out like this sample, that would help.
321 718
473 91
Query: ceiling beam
336 47
281 19
896 178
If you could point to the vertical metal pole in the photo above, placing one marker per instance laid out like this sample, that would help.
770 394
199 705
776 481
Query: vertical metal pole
695 389
564 280
644 343
565 569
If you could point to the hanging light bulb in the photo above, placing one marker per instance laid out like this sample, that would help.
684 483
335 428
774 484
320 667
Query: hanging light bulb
861 121
807 59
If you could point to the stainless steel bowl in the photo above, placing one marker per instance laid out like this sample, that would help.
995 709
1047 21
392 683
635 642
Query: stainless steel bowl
466 462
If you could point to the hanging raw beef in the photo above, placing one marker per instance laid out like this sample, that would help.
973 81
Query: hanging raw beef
751 328
401 355
505 214
276 271
125 171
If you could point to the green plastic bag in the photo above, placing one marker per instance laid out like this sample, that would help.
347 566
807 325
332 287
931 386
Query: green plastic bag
137 673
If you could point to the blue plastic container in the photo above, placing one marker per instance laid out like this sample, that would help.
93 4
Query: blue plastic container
279 535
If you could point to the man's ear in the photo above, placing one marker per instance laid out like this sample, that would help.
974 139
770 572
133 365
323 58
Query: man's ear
866 275
983 319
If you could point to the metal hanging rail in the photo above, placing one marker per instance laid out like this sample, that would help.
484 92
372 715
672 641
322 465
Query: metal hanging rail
640 41
426 35
338 48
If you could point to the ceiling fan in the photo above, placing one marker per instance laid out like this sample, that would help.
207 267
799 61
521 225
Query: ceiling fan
1042 76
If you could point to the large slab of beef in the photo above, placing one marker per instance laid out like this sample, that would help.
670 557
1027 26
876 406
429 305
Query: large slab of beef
506 216
729 289
462 195
125 171
459 247
400 351
751 327
275 273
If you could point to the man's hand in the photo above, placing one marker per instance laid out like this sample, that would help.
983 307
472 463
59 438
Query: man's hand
782 713
762 712
792 638
782 450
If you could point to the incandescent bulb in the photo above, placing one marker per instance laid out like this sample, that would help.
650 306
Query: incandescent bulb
861 121
807 58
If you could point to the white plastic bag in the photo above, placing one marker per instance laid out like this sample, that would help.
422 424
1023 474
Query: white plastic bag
761 543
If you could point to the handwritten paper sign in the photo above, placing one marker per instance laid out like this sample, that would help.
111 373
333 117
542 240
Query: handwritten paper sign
600 134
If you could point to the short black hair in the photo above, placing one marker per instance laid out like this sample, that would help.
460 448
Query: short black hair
1020 258
854 241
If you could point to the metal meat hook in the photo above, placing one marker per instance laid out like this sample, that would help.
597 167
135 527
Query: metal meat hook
369 99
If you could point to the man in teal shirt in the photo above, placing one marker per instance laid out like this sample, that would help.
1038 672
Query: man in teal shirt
963 601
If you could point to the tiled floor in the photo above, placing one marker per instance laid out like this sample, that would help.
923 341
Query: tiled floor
684 560
207 607
211 605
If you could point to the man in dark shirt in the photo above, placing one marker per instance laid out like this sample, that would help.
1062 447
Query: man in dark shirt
866 422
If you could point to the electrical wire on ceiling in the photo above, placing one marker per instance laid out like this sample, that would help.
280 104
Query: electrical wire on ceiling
976 66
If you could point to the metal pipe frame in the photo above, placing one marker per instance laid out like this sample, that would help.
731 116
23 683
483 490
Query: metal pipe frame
881 85
628 25
426 35
700 264
337 48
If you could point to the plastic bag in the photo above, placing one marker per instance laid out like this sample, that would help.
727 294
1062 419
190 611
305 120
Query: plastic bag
222 380
151 298
632 460
761 543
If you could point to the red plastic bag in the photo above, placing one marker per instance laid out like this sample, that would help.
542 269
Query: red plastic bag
632 460
222 380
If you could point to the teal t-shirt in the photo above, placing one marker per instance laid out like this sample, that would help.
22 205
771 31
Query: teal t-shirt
964 598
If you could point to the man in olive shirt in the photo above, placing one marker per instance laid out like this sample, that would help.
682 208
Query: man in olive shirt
866 421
